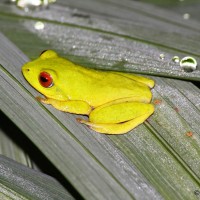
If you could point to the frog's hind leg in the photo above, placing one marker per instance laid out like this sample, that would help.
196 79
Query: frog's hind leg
119 118
119 128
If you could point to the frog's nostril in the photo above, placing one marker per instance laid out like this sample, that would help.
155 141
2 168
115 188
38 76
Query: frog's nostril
27 69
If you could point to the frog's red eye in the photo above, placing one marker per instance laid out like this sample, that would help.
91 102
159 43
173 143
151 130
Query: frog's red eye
45 79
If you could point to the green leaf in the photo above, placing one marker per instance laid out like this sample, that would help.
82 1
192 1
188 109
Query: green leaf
107 36
12 150
20 182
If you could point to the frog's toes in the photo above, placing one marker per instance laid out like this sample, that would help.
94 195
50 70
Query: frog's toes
43 100
40 99
82 121
79 120
91 125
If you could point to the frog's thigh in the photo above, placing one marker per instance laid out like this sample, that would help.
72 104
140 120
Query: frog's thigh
78 107
120 112
119 118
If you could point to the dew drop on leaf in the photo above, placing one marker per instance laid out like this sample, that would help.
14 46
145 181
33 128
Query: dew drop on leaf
188 64
39 25
162 56
176 59
186 16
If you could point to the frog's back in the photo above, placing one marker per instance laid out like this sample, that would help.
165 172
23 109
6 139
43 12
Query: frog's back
119 87
99 87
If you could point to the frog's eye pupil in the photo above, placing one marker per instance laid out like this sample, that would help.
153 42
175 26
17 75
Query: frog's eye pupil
45 79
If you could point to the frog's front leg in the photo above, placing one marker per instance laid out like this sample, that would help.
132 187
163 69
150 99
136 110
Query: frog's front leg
71 106
118 118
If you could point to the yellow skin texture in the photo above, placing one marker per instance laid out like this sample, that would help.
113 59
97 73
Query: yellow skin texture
115 102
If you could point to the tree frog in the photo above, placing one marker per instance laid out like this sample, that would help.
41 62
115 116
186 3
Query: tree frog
115 102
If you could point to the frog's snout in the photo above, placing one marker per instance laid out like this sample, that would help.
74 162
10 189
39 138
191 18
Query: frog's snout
25 69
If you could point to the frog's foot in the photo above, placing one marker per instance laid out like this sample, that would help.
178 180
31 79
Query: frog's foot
42 100
119 128
119 122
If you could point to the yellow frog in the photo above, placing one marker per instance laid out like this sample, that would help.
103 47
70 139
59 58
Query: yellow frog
115 102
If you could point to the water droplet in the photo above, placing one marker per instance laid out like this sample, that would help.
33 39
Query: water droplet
176 59
39 25
162 56
186 16
32 4
28 3
189 64
125 59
